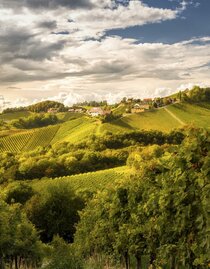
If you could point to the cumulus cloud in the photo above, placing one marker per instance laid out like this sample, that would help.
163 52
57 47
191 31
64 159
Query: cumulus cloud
190 86
60 51
45 4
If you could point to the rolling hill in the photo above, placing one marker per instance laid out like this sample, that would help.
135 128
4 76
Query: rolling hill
76 127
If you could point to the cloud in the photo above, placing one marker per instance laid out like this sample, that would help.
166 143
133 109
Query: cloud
190 86
81 61
122 16
46 4
18 43
47 24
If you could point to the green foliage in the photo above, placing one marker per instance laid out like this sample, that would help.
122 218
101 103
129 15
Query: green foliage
19 241
18 192
55 212
62 256
35 121
45 105
161 212
197 95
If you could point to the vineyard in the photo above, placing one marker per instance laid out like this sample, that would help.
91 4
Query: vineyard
75 130
16 142
42 137
91 181
29 140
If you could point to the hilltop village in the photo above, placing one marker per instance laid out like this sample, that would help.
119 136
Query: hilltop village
131 106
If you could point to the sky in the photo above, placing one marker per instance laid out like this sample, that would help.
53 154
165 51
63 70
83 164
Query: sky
76 50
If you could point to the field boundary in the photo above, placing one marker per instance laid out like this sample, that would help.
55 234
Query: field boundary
174 116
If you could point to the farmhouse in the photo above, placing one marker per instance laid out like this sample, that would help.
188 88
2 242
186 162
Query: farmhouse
98 111
138 108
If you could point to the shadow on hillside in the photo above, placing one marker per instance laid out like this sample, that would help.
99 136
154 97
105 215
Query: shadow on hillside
123 124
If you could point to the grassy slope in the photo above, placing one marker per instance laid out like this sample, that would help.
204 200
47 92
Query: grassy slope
151 120
120 109
161 120
192 114
66 116
84 182
116 126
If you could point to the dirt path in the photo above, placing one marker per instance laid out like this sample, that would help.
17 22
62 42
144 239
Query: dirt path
174 116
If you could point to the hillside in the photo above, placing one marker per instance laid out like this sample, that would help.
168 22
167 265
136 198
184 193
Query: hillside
161 118
14 115
76 127
198 115
87 182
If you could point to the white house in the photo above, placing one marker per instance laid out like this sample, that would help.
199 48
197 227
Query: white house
98 111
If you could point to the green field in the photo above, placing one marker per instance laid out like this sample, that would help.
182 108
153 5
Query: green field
152 120
160 119
66 116
192 114
90 182
14 115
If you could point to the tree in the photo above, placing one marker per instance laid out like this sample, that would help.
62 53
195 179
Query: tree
62 255
55 213
18 192
19 241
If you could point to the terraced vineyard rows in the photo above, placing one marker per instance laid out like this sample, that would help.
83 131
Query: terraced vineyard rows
16 142
92 181
42 137
28 140
75 130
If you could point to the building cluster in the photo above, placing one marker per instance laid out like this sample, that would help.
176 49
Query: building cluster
132 106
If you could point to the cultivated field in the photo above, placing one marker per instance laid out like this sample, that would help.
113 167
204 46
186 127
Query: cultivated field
90 182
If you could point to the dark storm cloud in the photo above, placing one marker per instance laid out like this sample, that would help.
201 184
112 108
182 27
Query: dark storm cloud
47 25
46 4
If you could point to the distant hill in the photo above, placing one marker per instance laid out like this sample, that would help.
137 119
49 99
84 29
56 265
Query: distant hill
77 127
